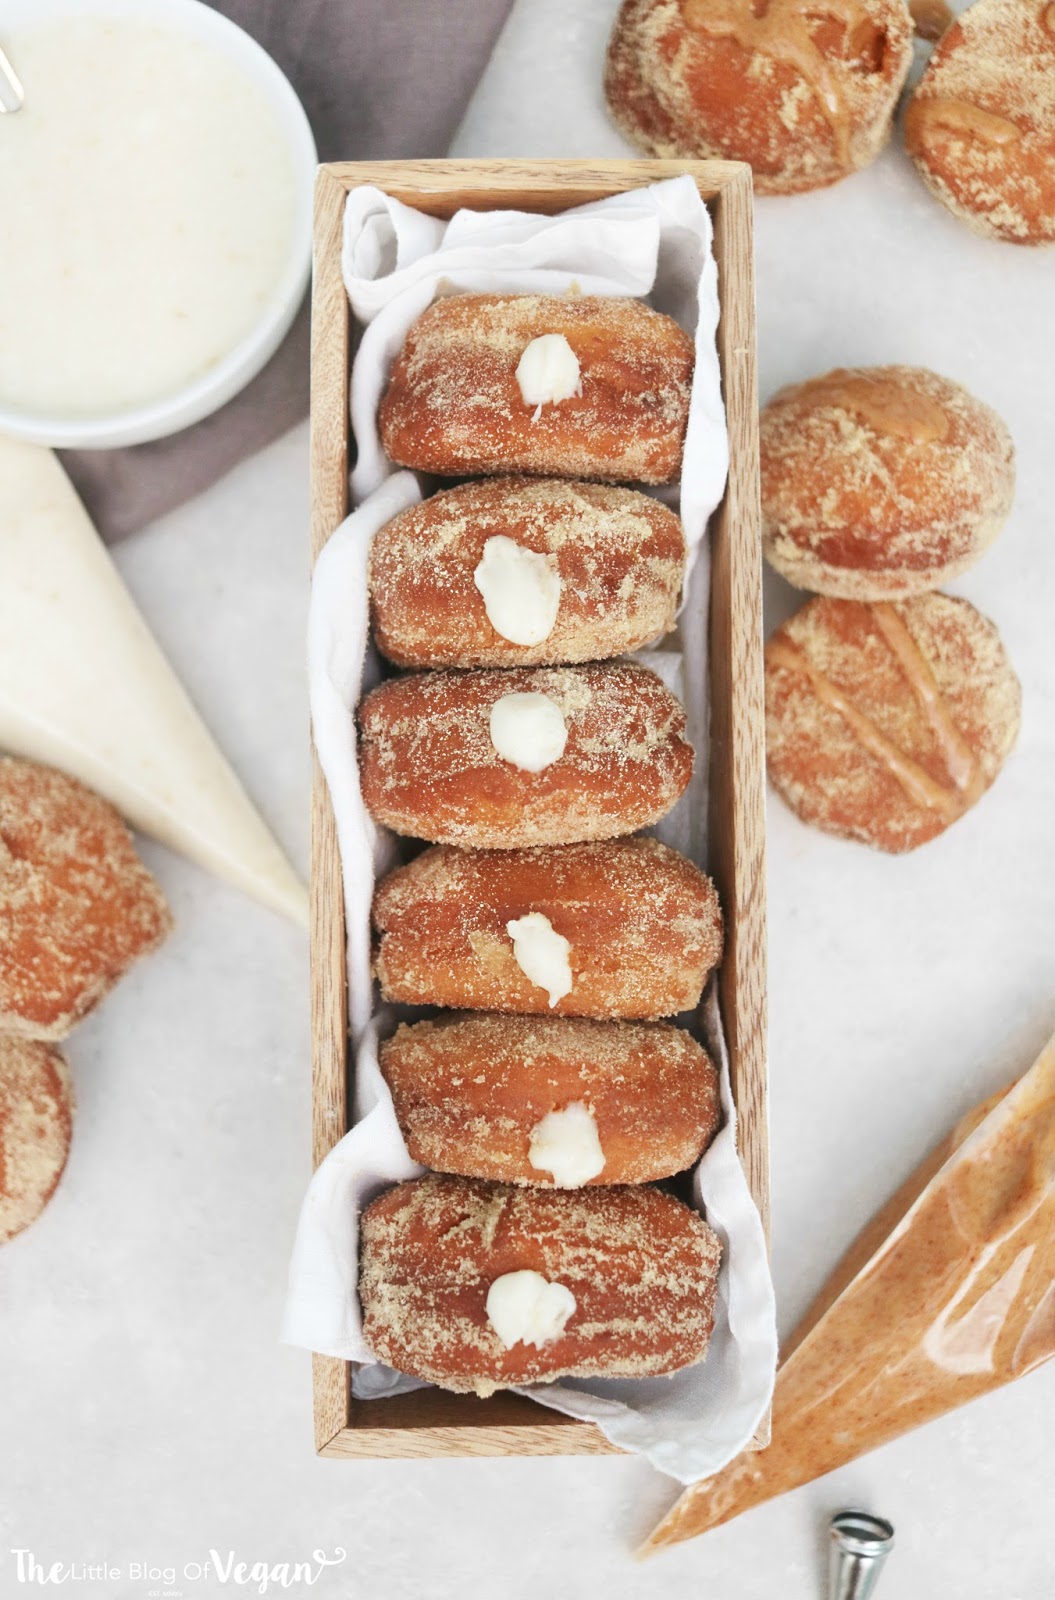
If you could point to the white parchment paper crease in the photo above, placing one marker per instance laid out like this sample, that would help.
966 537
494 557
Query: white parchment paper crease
653 242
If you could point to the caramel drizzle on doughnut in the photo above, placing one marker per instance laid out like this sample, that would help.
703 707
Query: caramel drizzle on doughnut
888 407
960 761
782 32
1047 17
959 117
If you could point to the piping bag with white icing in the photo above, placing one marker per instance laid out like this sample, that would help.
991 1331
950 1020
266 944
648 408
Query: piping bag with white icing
84 687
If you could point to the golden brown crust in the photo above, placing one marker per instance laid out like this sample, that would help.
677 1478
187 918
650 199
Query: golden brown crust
924 712
980 124
453 405
620 557
469 1090
428 767
77 906
644 925
806 96
642 1266
36 1125
881 482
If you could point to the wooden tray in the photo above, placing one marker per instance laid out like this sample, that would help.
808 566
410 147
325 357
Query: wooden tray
431 1422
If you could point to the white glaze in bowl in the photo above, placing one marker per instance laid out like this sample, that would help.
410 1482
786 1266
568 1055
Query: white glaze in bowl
181 400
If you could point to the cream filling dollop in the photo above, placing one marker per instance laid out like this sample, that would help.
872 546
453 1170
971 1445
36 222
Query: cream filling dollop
548 372
528 730
526 1308
565 1144
542 954
521 590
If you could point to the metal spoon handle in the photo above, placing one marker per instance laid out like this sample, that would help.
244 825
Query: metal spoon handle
12 94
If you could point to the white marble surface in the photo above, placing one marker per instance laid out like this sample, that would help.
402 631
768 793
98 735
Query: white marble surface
148 1411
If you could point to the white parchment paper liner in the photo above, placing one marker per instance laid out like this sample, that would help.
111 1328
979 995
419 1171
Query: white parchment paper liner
656 242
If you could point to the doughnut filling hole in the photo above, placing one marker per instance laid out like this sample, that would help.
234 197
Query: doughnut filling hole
566 1145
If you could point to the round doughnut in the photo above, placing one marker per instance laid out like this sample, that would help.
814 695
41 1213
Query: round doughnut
887 722
617 556
429 768
643 923
453 405
470 1091
881 482
980 125
36 1124
641 1267
76 904
804 93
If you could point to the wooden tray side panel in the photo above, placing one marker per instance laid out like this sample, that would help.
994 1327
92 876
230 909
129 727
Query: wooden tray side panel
737 817
328 981
431 1422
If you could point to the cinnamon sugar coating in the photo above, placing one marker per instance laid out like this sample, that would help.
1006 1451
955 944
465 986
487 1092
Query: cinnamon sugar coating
620 558
36 1124
887 722
980 124
642 1266
805 94
881 482
469 1090
428 767
77 906
644 925
453 405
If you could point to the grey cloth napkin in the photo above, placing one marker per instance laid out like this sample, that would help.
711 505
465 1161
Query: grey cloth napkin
379 79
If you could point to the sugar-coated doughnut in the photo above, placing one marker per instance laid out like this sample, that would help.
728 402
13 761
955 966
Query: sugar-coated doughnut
429 766
980 124
643 924
36 1124
637 1267
612 560
76 904
473 1090
887 722
804 94
880 482
454 406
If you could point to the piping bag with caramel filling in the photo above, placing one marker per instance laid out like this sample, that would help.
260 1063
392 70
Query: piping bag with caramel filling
948 1293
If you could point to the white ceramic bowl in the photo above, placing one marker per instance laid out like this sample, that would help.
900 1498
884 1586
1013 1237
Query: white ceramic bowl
207 392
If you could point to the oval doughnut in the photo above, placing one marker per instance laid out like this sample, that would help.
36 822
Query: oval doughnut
642 1268
453 405
469 1091
619 557
643 923
428 766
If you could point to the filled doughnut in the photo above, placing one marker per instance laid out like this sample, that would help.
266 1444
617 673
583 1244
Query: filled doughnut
567 386
624 928
533 756
880 482
477 1286
887 722
980 124
804 93
36 1124
554 1101
77 906
511 572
